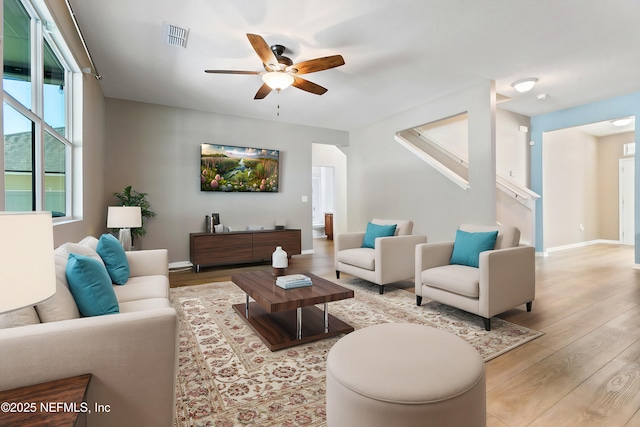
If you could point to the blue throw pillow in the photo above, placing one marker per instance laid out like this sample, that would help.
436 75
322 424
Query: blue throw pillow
374 231
467 247
114 258
90 286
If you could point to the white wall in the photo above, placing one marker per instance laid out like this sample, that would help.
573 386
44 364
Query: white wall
513 153
329 155
610 151
570 188
156 149
387 181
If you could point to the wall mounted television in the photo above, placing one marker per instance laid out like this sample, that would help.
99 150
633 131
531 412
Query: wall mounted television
228 168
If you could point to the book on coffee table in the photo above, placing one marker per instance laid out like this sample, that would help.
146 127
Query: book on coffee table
293 281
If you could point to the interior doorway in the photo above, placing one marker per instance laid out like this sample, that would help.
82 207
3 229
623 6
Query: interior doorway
322 198
627 198
581 184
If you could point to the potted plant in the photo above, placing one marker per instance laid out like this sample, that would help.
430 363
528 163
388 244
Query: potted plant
130 197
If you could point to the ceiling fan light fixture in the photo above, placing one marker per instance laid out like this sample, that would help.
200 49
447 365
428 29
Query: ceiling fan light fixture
277 80
524 85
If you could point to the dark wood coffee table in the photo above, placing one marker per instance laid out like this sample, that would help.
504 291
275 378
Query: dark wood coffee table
285 318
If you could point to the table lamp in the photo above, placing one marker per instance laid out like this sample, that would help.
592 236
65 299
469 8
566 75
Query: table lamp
125 218
27 269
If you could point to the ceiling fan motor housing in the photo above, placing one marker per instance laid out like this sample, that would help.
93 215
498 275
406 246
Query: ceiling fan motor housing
278 50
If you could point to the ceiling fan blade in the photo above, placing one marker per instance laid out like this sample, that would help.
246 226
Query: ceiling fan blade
232 72
308 86
318 64
263 50
263 91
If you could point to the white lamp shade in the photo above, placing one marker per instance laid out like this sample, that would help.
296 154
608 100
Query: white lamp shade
278 80
27 269
124 217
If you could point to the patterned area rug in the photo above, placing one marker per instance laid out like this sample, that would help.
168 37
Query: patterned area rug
228 377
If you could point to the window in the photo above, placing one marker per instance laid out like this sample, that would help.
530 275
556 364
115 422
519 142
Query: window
37 80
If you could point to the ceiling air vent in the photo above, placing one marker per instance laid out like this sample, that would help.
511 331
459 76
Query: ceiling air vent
176 36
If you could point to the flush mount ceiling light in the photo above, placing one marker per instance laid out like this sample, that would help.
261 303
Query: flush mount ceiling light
524 85
621 122
277 80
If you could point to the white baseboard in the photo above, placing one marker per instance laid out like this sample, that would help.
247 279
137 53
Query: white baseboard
581 244
308 252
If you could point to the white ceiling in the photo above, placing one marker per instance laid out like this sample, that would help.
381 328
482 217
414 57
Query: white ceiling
398 54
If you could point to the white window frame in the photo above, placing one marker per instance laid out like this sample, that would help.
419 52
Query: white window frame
42 28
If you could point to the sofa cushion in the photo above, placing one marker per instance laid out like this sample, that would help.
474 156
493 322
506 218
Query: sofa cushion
61 306
403 227
458 279
114 257
143 287
22 317
358 257
90 286
62 252
143 305
467 247
376 230
508 237
90 242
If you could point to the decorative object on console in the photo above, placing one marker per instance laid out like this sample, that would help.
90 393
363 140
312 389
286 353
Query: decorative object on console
279 261
226 168
27 239
124 218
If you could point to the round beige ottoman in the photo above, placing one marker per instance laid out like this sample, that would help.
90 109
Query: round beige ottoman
399 374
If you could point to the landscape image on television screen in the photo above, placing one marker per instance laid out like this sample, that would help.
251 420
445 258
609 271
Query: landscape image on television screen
229 168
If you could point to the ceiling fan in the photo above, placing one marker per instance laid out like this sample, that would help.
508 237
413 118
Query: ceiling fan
280 71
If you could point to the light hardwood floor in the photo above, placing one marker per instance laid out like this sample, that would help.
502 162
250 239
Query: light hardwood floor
584 371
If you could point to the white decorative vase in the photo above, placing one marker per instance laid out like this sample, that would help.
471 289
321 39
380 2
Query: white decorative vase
279 261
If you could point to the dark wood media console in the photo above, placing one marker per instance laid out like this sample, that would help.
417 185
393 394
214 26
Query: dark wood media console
238 247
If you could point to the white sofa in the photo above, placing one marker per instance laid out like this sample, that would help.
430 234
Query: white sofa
504 279
132 355
391 260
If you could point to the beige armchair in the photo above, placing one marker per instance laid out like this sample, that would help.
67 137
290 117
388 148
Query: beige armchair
391 260
505 278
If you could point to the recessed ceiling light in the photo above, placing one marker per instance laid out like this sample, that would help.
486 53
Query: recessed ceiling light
524 85
542 96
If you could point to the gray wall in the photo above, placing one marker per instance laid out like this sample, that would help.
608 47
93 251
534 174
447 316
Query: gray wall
156 149
386 181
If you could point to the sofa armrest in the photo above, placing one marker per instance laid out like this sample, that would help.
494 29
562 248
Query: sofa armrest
507 279
132 358
394 257
344 241
348 240
148 262
430 255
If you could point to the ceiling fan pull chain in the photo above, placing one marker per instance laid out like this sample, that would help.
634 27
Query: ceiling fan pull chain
278 95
